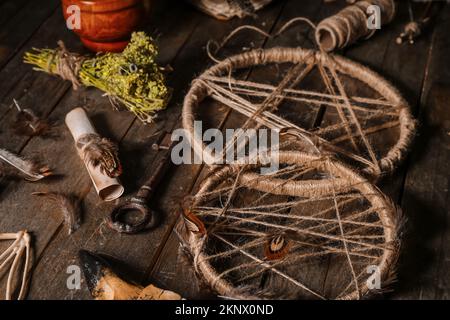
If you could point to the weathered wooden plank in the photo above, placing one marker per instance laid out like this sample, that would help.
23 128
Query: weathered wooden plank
383 55
55 250
138 159
63 157
408 77
384 48
172 261
196 57
19 82
425 264
9 8
15 77
20 28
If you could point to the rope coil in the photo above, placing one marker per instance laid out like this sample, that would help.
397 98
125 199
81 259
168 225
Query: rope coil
351 24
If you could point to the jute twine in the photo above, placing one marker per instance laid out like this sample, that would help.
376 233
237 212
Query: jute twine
391 110
351 24
251 235
68 65
315 206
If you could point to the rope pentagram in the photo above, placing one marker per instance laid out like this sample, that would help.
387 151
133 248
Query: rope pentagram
289 233
258 231
359 118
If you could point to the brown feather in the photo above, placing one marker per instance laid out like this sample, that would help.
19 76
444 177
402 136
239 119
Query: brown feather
102 152
193 223
70 207
28 124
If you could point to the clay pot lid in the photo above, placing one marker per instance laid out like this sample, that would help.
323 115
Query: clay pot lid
102 5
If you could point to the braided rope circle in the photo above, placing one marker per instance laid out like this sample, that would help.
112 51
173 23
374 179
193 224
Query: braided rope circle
245 228
389 108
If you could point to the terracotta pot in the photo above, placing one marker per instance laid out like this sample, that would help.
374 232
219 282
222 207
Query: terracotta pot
106 25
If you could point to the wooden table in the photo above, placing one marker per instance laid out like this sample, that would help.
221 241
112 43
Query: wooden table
420 186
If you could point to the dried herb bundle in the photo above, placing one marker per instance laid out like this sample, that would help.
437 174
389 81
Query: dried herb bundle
131 77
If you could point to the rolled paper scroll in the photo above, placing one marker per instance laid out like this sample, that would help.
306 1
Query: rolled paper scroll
351 24
107 187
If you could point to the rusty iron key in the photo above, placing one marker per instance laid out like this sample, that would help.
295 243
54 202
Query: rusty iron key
138 204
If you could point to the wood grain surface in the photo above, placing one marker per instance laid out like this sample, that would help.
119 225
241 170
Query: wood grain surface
420 186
